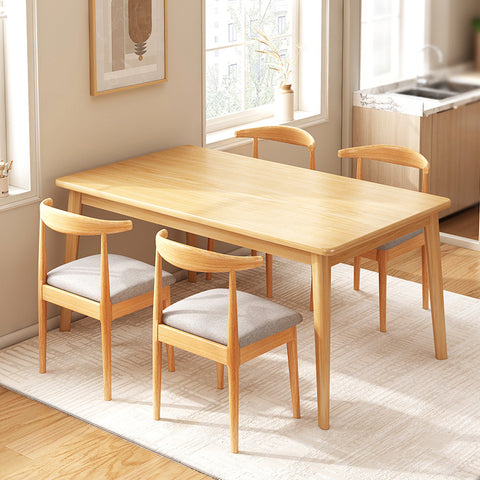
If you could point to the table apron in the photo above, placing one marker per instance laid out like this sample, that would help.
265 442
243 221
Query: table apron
381 239
198 228
247 241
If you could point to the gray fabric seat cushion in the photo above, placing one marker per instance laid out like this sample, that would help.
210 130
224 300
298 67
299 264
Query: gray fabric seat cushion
205 314
398 241
128 277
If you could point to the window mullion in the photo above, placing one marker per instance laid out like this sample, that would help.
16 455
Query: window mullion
244 87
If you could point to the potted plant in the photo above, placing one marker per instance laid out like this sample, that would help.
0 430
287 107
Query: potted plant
284 94
4 169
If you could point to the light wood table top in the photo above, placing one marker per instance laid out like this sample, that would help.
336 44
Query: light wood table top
301 214
306 210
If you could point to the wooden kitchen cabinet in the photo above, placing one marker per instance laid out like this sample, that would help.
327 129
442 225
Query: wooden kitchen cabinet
450 140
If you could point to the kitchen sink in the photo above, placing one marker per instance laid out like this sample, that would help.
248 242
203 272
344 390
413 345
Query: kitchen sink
438 90
428 93
452 86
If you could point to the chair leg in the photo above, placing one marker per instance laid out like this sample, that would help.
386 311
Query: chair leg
220 375
106 324
269 272
382 288
170 357
65 319
424 278
233 395
356 273
253 253
210 248
157 377
311 295
170 351
42 336
293 373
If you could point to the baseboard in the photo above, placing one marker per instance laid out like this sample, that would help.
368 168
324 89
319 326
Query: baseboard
32 331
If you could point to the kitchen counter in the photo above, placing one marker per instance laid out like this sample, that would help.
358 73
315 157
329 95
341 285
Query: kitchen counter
386 97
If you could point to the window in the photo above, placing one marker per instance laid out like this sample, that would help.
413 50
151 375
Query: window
18 101
281 24
237 76
232 72
239 84
3 130
232 33
392 34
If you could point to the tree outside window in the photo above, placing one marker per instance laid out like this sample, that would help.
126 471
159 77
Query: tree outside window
250 84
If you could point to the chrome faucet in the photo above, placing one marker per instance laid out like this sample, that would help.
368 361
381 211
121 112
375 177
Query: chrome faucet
425 78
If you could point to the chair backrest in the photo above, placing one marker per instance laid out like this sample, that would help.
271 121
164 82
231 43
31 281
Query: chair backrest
198 260
390 154
280 133
74 224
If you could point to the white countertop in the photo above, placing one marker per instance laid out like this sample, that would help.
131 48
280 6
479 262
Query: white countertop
386 97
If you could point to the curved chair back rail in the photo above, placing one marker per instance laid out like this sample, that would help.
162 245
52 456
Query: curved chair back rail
393 154
280 133
74 224
199 260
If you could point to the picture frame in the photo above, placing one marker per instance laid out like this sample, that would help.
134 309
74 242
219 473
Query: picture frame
128 44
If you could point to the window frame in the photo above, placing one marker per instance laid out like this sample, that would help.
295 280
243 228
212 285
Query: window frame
3 124
24 188
402 46
262 112
314 79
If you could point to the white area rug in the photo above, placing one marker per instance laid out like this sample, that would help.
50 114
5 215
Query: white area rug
396 411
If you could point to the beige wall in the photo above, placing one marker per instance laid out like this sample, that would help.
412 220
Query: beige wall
78 131
451 28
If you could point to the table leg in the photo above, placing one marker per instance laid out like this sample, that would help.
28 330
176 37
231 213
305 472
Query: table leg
321 280
192 240
71 253
432 243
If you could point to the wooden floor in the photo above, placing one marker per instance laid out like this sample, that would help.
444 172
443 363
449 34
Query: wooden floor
464 223
40 443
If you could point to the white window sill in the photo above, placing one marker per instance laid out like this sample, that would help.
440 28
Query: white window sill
17 197
226 137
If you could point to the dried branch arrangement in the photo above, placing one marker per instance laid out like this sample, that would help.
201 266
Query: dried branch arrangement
279 64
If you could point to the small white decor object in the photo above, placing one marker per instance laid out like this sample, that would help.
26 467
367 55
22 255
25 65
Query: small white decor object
3 186
284 103
4 169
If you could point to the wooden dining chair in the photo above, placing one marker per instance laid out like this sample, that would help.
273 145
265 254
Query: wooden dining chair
224 325
103 287
408 158
278 133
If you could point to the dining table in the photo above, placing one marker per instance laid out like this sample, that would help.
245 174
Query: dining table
309 216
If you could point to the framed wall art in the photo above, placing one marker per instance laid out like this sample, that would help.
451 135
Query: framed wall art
128 44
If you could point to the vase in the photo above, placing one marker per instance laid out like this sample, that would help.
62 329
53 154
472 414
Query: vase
477 51
4 186
284 103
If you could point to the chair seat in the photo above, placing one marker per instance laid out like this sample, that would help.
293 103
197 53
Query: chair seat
205 314
398 241
128 277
